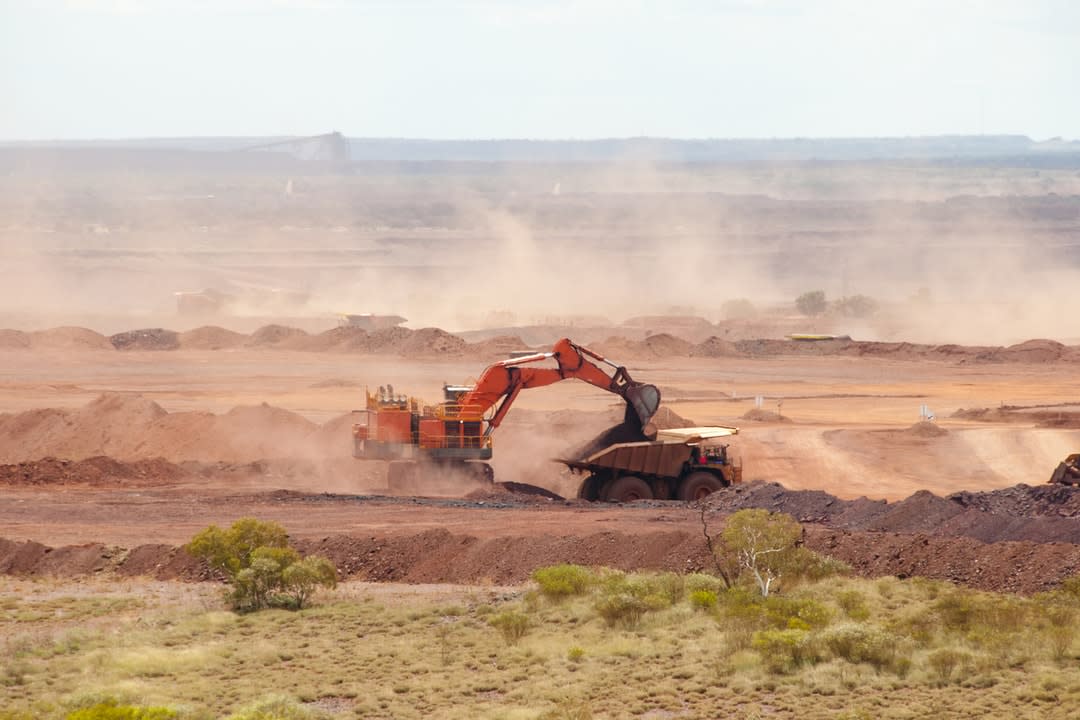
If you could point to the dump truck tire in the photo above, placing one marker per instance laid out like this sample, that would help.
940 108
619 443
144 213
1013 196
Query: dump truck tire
590 488
698 485
628 488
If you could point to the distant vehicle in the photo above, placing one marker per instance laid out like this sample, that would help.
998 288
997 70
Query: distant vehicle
370 321
1067 472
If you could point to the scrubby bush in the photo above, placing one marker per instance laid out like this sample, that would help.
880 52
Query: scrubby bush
785 650
702 581
513 625
562 581
262 570
861 644
856 306
945 662
703 599
112 710
621 609
853 603
811 303
276 708
738 309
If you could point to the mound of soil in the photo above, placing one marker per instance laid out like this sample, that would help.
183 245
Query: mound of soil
98 470
714 347
211 337
664 345
1020 513
515 491
146 339
130 427
339 339
1031 351
497 347
430 341
274 335
14 340
335 383
762 415
70 338
438 556
926 429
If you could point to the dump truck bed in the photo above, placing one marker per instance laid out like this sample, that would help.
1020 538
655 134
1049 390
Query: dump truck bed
649 457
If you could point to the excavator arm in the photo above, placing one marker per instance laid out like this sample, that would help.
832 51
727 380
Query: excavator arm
500 383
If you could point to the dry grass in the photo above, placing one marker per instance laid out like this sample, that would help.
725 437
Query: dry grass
406 652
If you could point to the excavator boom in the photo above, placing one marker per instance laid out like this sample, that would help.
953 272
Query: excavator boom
501 382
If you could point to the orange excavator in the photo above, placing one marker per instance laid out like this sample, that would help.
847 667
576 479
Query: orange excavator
456 434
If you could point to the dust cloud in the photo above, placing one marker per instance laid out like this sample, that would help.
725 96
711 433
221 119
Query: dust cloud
973 255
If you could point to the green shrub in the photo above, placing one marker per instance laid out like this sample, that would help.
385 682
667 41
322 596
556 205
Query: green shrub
703 599
701 581
230 550
853 603
781 611
806 564
269 574
784 650
275 708
561 581
113 710
811 303
513 625
945 662
621 610
957 610
861 644
575 654
302 578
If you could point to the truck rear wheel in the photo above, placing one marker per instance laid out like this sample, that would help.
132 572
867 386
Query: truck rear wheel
698 485
627 488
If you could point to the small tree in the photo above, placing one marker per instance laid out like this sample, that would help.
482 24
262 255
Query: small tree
738 309
262 569
857 306
811 303
762 543
302 578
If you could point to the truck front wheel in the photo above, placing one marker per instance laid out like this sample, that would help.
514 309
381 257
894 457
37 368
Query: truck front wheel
698 485
628 488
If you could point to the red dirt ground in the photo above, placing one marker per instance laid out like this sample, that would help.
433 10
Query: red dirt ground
114 481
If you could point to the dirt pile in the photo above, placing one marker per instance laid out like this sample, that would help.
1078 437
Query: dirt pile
496 348
763 415
439 556
14 340
211 337
1039 514
95 471
926 429
269 336
130 427
69 338
435 342
61 338
146 339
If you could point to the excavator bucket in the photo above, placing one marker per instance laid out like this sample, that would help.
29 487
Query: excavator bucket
642 402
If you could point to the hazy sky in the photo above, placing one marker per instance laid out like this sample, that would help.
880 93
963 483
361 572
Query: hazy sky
544 69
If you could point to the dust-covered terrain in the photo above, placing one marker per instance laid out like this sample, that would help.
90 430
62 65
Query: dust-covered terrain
188 330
